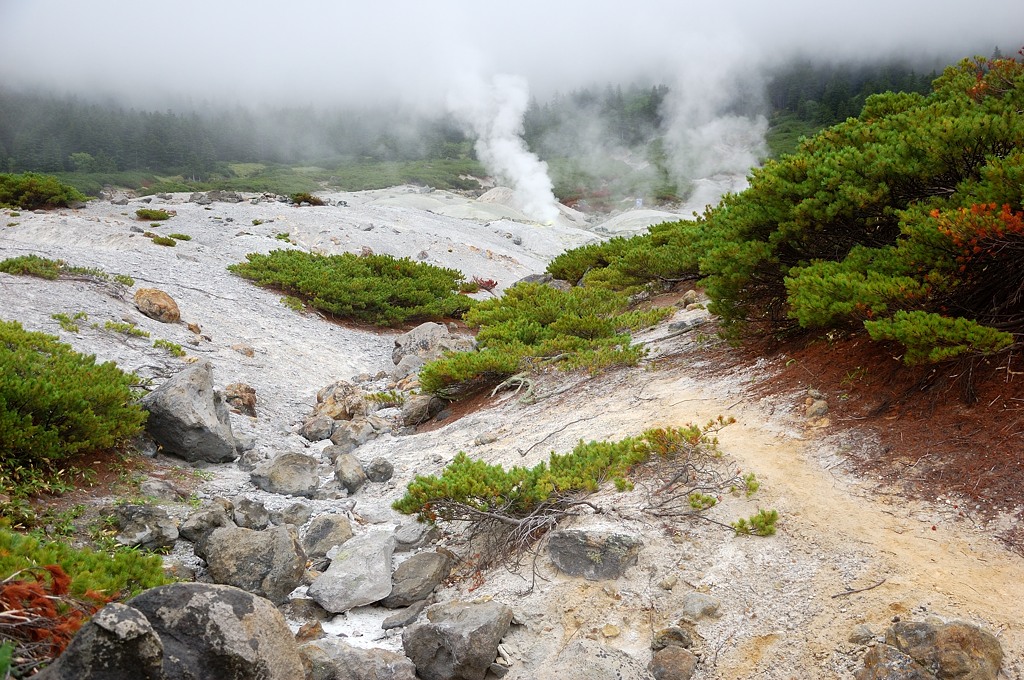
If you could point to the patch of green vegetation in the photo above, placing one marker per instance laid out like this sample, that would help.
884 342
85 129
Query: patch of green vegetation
534 324
115 576
307 198
786 131
164 241
124 280
152 214
32 265
284 236
31 191
181 237
173 348
293 303
379 289
125 328
386 399
55 403
257 222
68 322
440 173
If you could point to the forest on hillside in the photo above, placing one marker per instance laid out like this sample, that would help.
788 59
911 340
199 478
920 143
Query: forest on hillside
48 132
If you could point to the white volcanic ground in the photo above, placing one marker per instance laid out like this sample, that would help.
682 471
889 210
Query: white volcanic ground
779 616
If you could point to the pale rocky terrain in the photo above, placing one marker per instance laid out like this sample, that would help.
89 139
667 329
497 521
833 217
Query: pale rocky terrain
785 606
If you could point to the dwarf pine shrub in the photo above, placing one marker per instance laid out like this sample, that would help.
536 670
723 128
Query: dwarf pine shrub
531 323
32 191
380 289
55 403
32 265
152 214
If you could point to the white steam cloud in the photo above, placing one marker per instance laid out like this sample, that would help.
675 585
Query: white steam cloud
493 111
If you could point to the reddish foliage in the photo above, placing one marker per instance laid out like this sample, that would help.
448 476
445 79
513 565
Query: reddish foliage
38 614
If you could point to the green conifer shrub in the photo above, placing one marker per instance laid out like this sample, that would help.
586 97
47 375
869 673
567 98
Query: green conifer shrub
152 214
32 191
55 403
379 289
580 328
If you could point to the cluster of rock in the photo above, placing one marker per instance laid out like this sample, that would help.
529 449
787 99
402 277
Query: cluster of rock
933 650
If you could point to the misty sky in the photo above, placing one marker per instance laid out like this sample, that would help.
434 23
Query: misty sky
303 51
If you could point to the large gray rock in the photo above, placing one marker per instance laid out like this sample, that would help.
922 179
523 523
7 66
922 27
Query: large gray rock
289 474
349 472
341 401
267 563
211 631
348 434
332 659
416 578
250 513
326 532
202 522
595 556
459 641
317 428
428 341
420 408
184 631
360 573
189 419
118 642
145 526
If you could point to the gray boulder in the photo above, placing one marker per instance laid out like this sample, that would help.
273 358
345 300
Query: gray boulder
145 526
211 631
416 578
596 556
349 472
459 641
182 631
202 522
332 659
420 408
379 470
118 642
360 573
347 435
317 428
289 474
428 341
250 514
268 563
297 513
189 419
326 532
411 535
696 606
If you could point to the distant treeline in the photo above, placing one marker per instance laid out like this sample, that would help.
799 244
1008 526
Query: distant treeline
51 133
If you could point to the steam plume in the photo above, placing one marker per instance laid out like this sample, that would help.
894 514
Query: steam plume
494 113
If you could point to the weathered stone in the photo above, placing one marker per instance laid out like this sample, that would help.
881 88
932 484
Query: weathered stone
353 433
861 634
360 573
241 398
594 555
332 659
294 513
290 474
416 578
411 535
145 526
379 470
673 663
951 650
269 563
403 617
341 401
189 419
250 513
673 635
211 631
317 428
420 408
459 641
883 662
162 489
202 522
696 606
118 638
409 365
326 532
428 341
349 472
817 409
157 304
